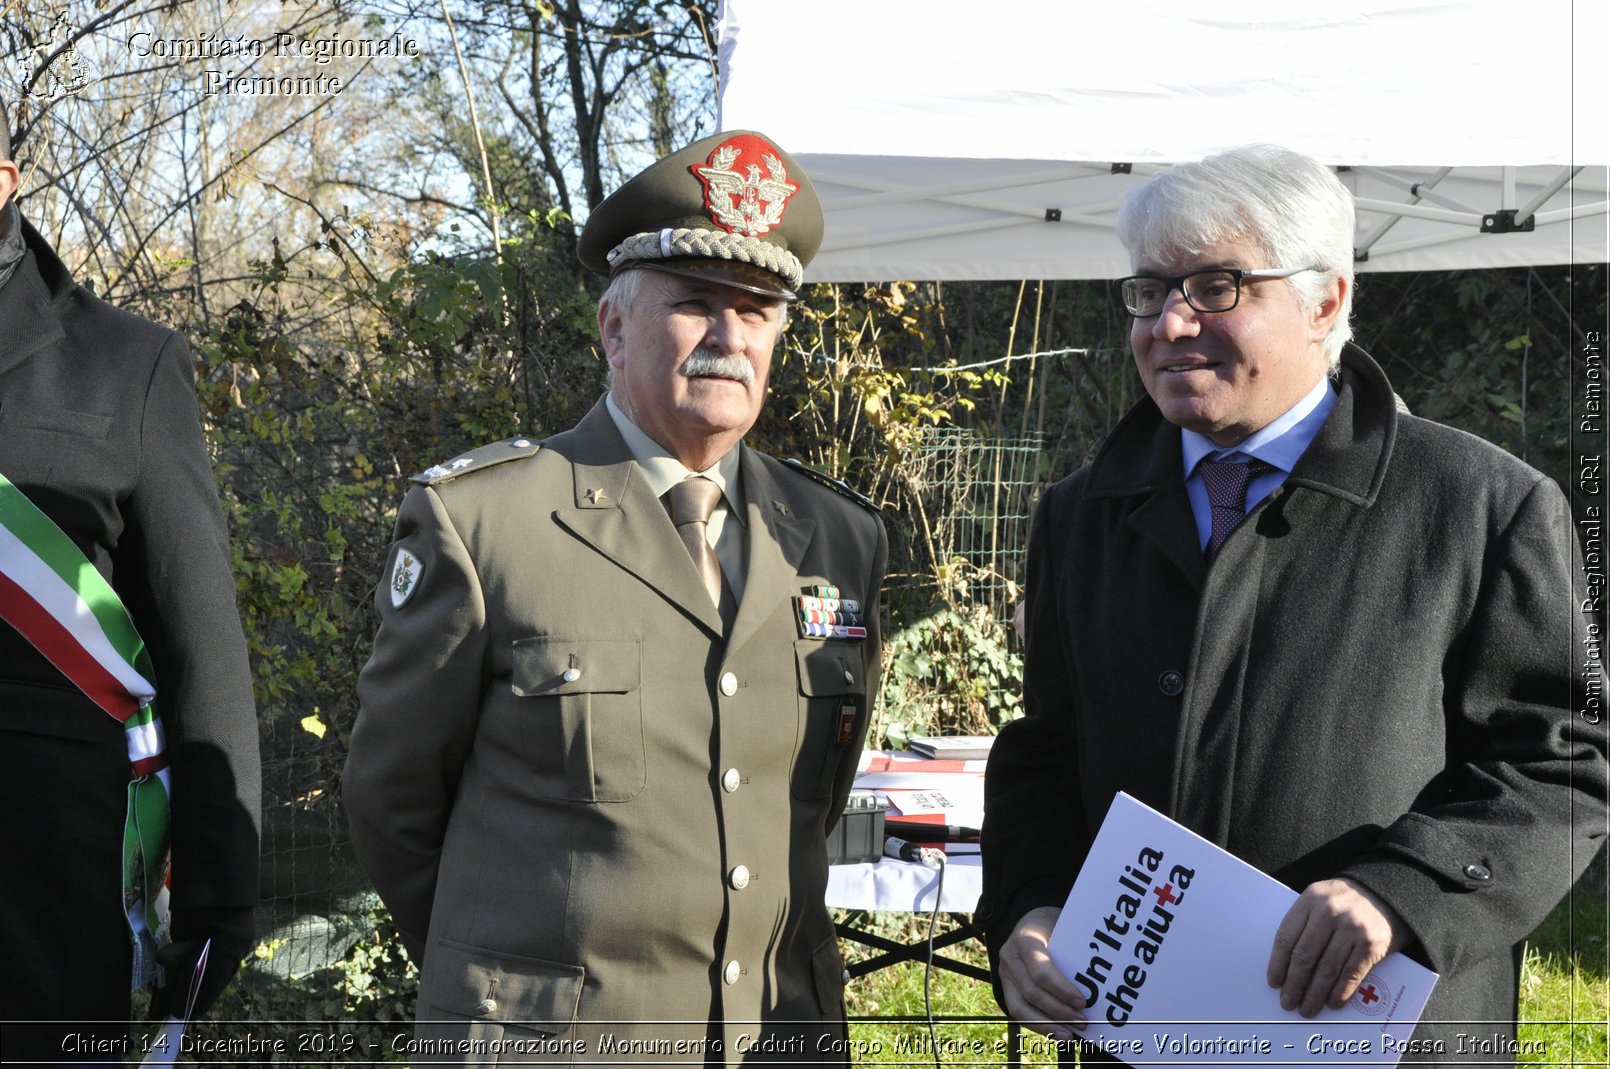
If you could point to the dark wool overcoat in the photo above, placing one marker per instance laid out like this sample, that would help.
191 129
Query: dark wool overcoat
596 811
1376 678
99 428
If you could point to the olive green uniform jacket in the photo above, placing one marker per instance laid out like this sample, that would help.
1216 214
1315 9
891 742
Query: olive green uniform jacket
586 805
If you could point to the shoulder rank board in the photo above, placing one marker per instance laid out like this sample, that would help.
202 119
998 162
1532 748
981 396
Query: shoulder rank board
477 460
840 488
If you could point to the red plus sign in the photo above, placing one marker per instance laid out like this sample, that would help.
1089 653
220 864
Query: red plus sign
1368 995
1165 895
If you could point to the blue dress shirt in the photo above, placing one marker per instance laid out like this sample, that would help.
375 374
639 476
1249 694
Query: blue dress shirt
1279 445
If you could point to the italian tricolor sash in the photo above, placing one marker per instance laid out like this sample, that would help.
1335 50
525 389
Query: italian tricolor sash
53 596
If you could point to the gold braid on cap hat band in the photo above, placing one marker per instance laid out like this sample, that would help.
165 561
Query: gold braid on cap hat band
709 245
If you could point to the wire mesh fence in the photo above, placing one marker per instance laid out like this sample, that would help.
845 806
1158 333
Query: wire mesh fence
983 491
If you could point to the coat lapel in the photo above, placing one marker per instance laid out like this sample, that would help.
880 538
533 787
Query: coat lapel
778 541
1142 460
1164 519
1350 456
614 512
27 323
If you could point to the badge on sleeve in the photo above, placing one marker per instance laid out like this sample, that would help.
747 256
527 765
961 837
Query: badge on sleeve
405 576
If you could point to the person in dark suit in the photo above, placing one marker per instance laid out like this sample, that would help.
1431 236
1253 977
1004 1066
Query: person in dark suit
1333 638
99 430
623 675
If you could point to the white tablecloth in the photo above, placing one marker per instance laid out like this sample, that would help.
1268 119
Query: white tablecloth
899 886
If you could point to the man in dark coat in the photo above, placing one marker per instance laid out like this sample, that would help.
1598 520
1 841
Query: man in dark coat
602 739
99 430
1358 677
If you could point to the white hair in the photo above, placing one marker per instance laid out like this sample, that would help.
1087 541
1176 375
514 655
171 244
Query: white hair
1292 208
626 286
622 290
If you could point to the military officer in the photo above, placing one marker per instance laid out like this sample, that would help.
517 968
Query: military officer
623 675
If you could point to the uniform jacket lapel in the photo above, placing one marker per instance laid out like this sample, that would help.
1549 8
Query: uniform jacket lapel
778 541
614 512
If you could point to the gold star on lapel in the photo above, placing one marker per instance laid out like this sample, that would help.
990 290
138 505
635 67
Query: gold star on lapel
594 496
781 506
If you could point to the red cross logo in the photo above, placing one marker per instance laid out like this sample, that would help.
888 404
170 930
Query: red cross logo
1165 895
1371 997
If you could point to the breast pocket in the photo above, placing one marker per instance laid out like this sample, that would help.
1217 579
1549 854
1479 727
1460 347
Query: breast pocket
832 707
62 448
580 713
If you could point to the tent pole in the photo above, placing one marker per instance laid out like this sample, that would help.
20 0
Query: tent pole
1566 174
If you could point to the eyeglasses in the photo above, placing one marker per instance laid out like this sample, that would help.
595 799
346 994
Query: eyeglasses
1218 290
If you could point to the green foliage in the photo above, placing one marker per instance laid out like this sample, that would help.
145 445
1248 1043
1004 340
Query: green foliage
376 981
1490 352
351 1013
949 672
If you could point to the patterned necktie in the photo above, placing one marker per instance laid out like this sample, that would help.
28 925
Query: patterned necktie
1226 482
693 501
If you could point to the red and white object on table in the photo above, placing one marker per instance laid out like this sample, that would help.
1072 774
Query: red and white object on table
917 790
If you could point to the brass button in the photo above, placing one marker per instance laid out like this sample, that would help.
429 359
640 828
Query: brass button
486 1006
738 878
1478 872
732 972
730 780
849 677
729 684
572 674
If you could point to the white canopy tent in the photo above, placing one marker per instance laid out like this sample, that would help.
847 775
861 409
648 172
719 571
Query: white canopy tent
956 140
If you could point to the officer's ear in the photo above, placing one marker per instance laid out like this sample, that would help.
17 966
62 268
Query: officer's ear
612 331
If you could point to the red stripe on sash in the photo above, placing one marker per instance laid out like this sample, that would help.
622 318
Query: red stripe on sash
64 651
150 764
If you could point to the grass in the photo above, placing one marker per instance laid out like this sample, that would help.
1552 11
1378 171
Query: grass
963 1007
1565 986
1565 999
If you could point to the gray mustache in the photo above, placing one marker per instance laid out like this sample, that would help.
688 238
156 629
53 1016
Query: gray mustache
705 364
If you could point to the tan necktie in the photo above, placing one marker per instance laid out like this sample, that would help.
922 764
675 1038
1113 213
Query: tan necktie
693 501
